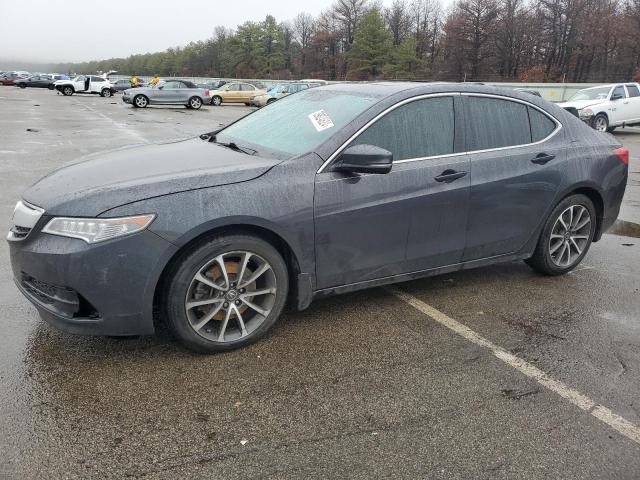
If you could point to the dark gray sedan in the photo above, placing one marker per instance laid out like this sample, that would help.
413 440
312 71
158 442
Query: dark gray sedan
328 191
171 92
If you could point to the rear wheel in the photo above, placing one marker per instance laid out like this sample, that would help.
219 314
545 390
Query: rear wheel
195 103
140 101
67 91
226 293
106 92
22 85
566 236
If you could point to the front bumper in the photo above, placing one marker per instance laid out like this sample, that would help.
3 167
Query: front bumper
126 99
101 289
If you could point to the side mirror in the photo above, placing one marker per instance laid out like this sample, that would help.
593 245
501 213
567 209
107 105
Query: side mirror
616 96
364 159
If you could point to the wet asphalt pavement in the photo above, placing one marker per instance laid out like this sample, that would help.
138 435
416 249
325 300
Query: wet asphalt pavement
358 386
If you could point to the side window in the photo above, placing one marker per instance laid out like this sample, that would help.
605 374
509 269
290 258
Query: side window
247 88
495 123
97 79
541 125
422 128
633 91
234 87
172 85
619 90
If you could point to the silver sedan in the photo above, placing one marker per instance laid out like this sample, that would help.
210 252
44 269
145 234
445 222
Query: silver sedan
171 92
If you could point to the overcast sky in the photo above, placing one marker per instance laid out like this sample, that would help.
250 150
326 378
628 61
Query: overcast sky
78 30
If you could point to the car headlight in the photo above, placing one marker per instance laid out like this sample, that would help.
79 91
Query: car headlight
585 113
94 230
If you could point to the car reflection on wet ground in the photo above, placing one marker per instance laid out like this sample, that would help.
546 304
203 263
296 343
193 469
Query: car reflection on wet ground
361 385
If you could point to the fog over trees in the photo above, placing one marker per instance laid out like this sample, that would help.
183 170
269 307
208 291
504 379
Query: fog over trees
472 40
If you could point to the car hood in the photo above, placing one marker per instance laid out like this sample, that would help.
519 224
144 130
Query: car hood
580 104
115 178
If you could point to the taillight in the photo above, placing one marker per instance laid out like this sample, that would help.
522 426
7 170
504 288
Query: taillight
623 154
206 92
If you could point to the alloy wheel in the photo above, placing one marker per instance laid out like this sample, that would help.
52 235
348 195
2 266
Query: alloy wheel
570 236
230 296
195 103
140 101
601 124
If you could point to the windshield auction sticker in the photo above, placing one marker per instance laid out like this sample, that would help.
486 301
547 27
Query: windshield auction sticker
320 120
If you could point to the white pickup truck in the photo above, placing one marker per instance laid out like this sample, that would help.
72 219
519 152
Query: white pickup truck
608 106
86 84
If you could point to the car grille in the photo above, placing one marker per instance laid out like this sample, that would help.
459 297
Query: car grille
25 217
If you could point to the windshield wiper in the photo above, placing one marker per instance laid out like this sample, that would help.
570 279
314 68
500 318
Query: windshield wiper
235 146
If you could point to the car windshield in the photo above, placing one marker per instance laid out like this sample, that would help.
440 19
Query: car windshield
317 114
600 93
276 88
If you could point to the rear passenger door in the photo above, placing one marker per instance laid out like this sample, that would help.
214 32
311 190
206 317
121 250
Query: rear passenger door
413 218
516 154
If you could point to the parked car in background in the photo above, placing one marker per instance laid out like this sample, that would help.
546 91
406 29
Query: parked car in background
85 84
235 92
331 190
58 76
280 90
121 85
170 92
36 81
608 106
10 78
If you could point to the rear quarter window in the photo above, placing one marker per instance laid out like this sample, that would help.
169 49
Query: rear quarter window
541 125
495 123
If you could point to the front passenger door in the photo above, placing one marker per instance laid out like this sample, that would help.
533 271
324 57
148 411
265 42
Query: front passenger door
371 226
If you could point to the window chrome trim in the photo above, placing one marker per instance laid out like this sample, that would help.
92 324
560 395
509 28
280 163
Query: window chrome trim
448 94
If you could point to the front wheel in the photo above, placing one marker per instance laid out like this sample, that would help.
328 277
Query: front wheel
566 236
140 101
226 293
216 100
67 91
601 123
195 103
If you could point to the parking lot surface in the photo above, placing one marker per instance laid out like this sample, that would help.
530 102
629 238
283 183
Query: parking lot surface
376 384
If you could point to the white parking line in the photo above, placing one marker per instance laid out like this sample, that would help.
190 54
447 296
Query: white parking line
600 412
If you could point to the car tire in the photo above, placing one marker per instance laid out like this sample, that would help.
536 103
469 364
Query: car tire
270 101
600 123
565 229
216 100
67 91
195 103
105 92
140 101
234 324
22 85
51 86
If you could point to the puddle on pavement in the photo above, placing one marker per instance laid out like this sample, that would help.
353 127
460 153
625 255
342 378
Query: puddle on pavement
626 229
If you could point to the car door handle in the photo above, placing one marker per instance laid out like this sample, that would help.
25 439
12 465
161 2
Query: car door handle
542 158
449 176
